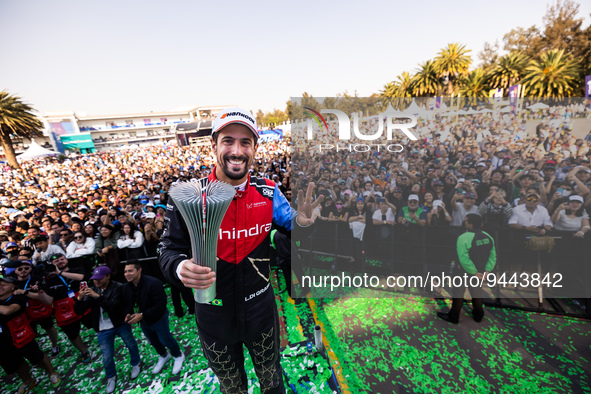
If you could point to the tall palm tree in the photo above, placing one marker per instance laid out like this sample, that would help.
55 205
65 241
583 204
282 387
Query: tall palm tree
387 94
426 82
553 75
398 92
16 119
508 70
473 86
451 63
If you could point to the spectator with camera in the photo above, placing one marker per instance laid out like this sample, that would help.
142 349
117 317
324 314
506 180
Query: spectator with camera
571 216
462 204
17 339
28 282
107 316
60 287
495 210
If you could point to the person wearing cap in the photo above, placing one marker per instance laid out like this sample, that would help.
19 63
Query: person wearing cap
412 214
462 203
238 318
107 316
60 287
477 255
11 249
14 349
531 216
571 216
43 250
28 284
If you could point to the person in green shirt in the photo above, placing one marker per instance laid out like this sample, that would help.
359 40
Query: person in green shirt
477 256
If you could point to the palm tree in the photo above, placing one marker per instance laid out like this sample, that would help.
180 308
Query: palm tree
508 70
426 81
473 86
451 63
387 94
397 93
553 75
16 119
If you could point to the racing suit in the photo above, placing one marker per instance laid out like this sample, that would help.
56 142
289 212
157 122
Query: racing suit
244 311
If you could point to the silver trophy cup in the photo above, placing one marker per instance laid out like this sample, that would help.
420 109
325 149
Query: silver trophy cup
203 209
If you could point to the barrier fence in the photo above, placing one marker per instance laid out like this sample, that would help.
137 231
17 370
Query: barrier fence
414 250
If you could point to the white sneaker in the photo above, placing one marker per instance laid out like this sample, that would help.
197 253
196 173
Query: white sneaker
160 364
135 371
178 364
111 383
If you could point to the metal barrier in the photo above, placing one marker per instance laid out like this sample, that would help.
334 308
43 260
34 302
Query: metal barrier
416 250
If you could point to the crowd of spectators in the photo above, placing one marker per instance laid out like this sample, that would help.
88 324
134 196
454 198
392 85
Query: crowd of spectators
525 172
61 220
105 208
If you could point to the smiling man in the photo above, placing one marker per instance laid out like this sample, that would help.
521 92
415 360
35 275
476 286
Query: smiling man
244 313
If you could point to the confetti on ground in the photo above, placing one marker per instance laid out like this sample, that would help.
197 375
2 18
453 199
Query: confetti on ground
382 345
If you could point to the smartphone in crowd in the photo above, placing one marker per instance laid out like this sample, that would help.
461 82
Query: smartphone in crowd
83 285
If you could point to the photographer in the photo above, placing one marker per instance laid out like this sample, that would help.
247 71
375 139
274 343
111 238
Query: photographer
61 285
17 339
38 313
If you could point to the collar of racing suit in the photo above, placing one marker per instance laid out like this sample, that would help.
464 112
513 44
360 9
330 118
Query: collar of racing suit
239 193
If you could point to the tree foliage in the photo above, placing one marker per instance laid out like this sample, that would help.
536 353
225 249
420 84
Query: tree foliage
452 63
474 85
426 82
508 71
16 119
555 74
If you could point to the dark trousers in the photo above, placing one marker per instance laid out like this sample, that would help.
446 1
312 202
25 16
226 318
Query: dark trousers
458 302
187 294
226 355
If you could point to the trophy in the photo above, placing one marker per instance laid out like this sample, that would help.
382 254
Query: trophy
203 209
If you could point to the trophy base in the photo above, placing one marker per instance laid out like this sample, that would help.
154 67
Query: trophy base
204 296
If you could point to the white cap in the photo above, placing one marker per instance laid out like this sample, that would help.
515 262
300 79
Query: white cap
576 198
413 197
235 115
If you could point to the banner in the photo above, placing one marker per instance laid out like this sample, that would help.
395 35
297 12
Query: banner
588 86
496 93
514 94
438 102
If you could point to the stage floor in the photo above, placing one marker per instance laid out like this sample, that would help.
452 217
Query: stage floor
374 345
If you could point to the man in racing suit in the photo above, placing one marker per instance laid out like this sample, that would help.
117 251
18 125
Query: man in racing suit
244 312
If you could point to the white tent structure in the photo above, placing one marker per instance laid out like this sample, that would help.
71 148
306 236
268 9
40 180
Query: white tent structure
35 151
537 106
414 109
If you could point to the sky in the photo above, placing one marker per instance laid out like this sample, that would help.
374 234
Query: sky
124 56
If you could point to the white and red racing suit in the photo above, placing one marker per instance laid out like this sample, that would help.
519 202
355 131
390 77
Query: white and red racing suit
244 312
